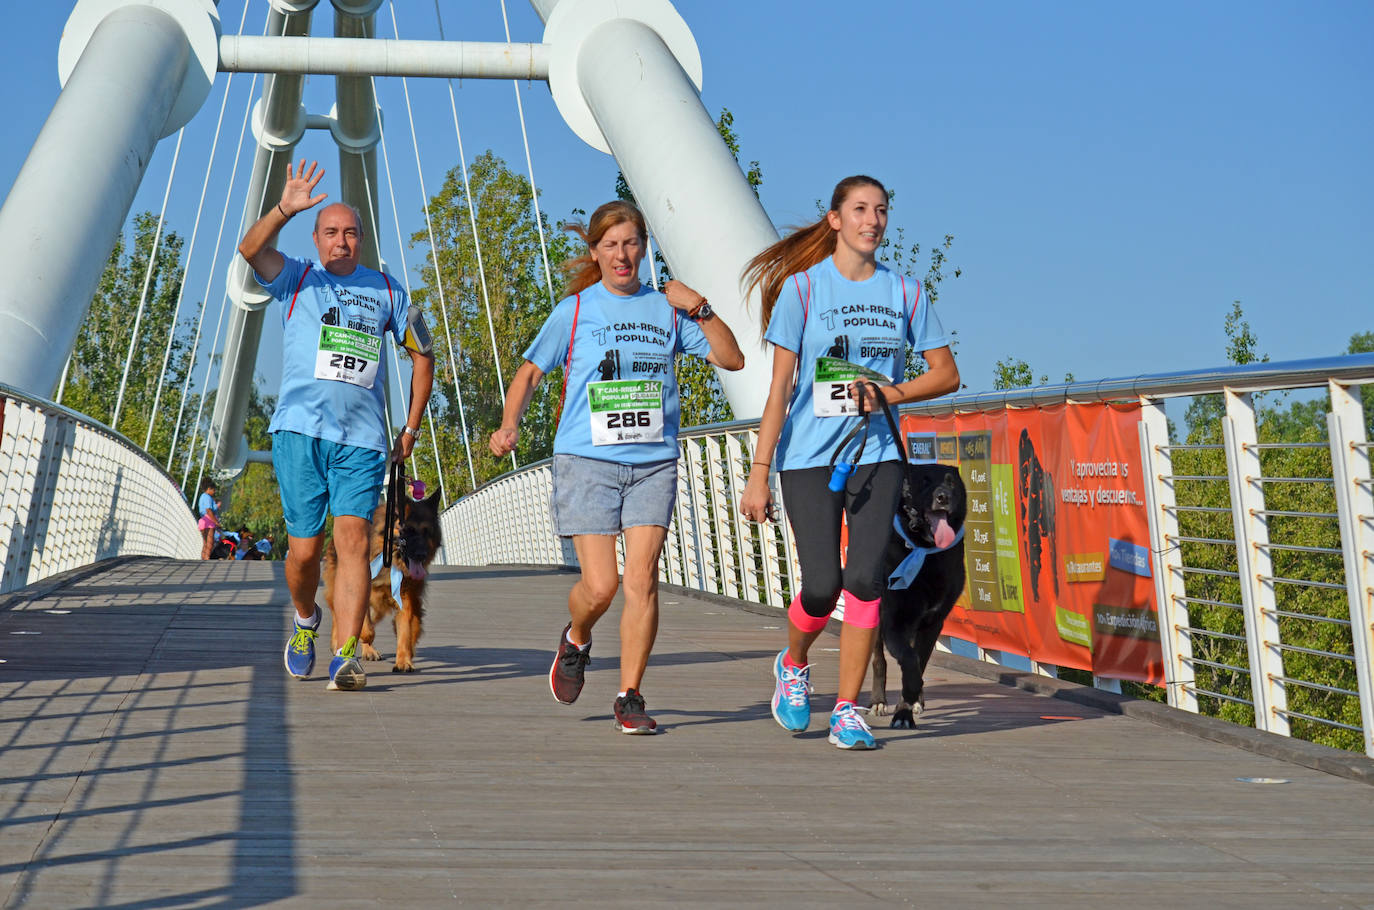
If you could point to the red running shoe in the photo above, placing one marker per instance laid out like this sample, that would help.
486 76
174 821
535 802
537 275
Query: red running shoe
630 716
569 668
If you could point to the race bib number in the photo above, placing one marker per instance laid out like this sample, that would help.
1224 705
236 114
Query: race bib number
626 410
830 386
347 355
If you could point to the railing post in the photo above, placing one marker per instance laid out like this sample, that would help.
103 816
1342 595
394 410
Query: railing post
1254 563
1350 463
1158 465
746 554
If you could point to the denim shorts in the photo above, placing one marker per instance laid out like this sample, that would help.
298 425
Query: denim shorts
606 497
316 474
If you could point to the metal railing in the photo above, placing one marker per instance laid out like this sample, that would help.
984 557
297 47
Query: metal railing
1263 548
74 492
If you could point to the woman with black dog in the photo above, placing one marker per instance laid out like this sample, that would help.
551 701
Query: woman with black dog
615 451
840 324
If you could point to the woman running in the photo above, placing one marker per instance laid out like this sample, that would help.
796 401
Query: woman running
615 452
840 323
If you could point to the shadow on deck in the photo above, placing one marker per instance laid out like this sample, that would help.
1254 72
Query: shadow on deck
154 754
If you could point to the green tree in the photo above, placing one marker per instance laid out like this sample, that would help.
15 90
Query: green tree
1241 348
456 303
102 345
1014 373
1313 615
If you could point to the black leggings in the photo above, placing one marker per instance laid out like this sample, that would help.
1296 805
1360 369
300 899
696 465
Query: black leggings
869 500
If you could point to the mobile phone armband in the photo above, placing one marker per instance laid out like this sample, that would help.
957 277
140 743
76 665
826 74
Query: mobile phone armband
417 333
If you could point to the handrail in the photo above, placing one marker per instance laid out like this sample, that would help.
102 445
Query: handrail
7 391
73 491
1203 577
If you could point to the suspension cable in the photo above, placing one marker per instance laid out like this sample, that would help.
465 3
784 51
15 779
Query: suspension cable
224 303
529 165
190 251
205 298
472 222
405 276
394 358
438 277
147 280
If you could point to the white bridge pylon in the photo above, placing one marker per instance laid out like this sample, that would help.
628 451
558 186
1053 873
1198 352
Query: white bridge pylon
136 71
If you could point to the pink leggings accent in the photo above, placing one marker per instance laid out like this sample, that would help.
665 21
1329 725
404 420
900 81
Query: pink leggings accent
860 613
804 620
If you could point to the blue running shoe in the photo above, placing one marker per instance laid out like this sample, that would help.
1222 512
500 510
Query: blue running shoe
300 651
791 695
848 730
345 670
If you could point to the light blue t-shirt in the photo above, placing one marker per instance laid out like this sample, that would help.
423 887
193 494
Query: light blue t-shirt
622 356
332 377
207 504
869 323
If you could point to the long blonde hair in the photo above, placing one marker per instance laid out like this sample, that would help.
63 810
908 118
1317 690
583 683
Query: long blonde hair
798 251
582 271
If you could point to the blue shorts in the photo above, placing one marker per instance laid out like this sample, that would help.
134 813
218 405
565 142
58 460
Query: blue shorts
606 497
315 474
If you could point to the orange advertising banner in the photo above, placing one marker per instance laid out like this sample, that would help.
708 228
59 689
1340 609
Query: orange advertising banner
1056 539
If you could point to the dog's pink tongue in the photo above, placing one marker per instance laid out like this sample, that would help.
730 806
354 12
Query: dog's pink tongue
417 570
944 534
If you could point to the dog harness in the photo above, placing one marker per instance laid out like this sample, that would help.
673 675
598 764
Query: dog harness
907 570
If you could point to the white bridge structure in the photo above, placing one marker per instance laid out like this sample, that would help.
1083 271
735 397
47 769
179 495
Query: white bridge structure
74 492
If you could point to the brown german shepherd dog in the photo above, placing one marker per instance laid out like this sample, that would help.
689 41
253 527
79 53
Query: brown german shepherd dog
415 541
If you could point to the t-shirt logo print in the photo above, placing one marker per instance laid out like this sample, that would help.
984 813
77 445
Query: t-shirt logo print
610 365
840 348
331 316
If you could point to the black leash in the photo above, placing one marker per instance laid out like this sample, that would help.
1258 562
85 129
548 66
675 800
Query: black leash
395 487
839 473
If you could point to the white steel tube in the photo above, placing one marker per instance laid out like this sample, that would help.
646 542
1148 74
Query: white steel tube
383 57
1254 564
697 201
1167 558
1350 459
71 197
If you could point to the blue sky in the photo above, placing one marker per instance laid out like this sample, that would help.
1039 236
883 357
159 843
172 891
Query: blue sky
1114 175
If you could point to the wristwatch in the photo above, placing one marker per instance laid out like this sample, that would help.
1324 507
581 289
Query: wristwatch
703 312
412 431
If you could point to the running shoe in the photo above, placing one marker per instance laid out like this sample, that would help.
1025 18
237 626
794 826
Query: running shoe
300 651
791 695
345 670
630 716
569 668
848 730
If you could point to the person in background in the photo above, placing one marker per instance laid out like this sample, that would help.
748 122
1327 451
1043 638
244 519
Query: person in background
208 507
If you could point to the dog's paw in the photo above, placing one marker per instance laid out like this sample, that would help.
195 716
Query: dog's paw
880 709
903 719
406 668
367 652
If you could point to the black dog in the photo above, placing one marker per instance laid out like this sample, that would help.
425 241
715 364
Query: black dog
1037 513
932 511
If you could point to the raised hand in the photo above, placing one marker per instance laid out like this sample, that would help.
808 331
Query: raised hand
300 184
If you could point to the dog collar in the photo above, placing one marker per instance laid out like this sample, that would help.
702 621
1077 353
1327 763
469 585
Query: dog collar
910 567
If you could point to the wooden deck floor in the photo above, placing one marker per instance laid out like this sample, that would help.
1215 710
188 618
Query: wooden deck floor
154 754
